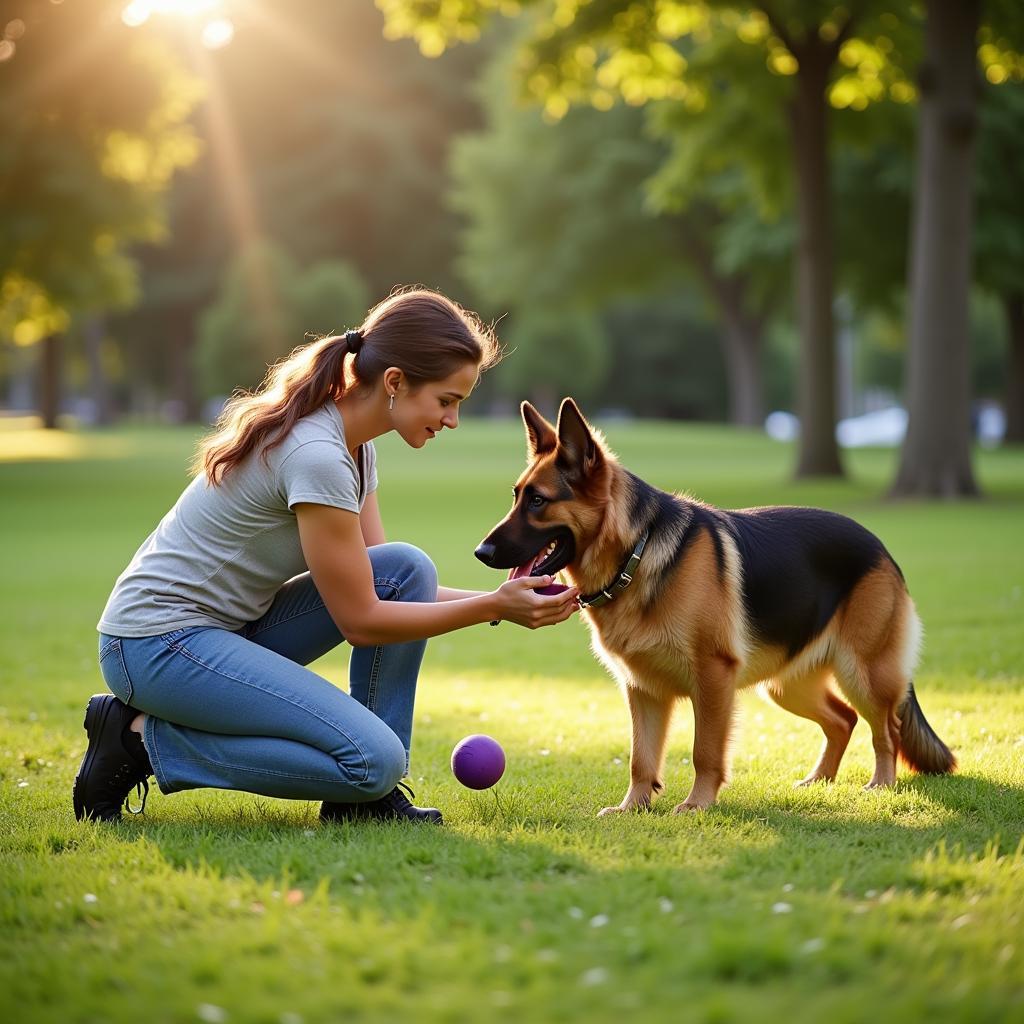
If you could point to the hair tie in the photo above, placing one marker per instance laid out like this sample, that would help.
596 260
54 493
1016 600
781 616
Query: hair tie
354 340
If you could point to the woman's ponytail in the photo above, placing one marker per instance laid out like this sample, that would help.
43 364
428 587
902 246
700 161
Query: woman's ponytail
423 333
293 388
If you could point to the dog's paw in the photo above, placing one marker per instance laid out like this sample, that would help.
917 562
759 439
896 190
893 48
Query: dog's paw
883 783
625 808
688 806
637 798
813 780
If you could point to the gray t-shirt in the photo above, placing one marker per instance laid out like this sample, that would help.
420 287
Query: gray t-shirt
221 554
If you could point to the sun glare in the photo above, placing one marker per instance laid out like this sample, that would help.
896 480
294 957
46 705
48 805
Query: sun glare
217 33
139 11
217 29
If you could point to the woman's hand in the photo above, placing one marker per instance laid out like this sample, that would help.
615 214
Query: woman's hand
335 551
519 604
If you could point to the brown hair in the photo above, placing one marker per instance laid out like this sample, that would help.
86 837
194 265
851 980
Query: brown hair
423 333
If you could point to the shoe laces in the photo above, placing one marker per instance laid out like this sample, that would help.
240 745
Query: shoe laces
142 788
398 799
124 779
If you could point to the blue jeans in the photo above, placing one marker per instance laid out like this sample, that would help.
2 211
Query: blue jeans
237 710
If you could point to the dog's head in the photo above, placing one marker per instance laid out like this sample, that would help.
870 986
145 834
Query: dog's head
559 500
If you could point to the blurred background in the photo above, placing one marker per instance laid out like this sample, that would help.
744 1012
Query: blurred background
799 217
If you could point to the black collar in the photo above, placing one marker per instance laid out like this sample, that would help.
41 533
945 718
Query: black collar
624 579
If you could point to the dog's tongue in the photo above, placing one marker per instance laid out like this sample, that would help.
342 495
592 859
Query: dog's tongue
524 570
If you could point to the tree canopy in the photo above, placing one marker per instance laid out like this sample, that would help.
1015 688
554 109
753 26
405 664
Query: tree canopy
267 307
96 121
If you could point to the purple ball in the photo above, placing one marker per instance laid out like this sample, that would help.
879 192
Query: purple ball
551 589
478 761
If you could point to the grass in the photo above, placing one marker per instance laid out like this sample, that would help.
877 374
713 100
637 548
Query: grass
778 904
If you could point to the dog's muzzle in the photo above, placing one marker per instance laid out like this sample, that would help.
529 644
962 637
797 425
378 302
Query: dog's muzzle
485 552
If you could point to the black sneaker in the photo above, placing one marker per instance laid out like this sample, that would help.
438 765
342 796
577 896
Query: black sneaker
395 805
115 762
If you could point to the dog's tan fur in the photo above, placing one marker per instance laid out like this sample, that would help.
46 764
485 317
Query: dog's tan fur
680 631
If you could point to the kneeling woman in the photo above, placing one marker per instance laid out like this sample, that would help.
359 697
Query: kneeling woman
275 554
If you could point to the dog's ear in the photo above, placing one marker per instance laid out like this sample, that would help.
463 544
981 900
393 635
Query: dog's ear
540 435
579 450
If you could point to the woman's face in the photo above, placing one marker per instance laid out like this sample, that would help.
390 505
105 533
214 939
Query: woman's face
421 414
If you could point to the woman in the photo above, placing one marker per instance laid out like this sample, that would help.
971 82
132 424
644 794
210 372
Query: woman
204 638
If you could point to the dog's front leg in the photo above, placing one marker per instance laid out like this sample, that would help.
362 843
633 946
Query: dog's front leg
651 716
713 699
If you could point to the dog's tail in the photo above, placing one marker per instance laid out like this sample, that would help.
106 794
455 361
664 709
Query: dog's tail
920 747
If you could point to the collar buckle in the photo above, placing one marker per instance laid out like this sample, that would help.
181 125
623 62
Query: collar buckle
623 580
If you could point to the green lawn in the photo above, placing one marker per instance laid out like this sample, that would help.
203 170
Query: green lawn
822 904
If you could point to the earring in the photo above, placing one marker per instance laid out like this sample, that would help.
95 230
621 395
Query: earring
391 404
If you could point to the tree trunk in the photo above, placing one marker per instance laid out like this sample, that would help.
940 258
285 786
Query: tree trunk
49 380
742 329
742 336
1014 305
183 383
816 381
94 329
936 455
742 344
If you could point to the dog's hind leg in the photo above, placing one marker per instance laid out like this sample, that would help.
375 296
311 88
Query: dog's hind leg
651 716
809 697
713 699
879 637
876 691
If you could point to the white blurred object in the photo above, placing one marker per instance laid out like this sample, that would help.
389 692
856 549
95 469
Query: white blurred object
884 428
85 410
218 33
990 424
782 426
213 407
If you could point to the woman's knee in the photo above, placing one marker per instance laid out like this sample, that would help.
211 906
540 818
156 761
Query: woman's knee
385 766
414 569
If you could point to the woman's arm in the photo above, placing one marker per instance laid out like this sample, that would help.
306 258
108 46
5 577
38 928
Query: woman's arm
370 524
372 528
451 594
335 552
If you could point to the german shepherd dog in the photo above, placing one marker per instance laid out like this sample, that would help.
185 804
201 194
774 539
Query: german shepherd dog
687 600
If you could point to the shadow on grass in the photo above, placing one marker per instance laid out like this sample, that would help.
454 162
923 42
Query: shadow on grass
817 838
791 895
529 865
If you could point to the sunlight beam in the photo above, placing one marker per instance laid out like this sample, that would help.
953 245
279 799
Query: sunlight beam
234 184
138 12
291 37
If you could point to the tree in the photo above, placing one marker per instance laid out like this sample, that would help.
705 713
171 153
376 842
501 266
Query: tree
999 240
555 230
875 184
935 459
345 146
814 43
594 201
558 352
689 52
736 255
179 277
267 307
665 358
95 124
341 153
648 49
